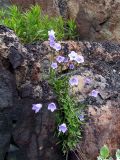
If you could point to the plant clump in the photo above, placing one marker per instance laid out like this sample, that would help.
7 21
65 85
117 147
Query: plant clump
69 115
32 25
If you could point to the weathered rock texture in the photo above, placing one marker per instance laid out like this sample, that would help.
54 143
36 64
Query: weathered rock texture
96 20
30 136
48 6
24 135
4 3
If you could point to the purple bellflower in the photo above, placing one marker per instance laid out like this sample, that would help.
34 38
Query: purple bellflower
36 107
62 128
79 59
57 46
73 81
52 107
73 55
94 93
81 117
60 59
54 65
51 34
71 66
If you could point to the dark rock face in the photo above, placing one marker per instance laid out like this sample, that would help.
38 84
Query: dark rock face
15 57
25 135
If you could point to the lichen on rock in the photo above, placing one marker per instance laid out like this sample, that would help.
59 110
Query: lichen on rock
24 82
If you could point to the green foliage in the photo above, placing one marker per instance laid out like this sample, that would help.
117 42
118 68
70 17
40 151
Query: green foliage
66 113
32 25
71 29
104 152
105 155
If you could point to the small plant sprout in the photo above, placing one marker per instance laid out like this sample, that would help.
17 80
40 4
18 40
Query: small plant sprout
36 107
52 107
105 154
73 81
94 93
63 128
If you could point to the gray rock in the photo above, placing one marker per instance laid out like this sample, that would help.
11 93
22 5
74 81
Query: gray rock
22 84
15 57
7 89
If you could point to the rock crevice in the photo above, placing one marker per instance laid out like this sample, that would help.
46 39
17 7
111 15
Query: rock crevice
23 82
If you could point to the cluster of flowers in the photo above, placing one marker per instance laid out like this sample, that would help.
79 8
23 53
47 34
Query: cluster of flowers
52 107
72 57
73 81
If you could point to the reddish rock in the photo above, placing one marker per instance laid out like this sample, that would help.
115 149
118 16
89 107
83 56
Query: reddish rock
103 128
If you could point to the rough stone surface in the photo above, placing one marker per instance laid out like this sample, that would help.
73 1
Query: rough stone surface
30 136
103 128
24 134
96 20
48 6
4 3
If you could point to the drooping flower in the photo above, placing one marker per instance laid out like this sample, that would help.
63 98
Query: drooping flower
73 81
52 107
57 46
54 65
36 107
60 59
52 43
51 34
79 59
81 117
87 81
94 93
71 66
73 55
62 128
66 60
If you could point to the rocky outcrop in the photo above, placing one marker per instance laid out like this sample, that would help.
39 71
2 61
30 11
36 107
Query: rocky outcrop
23 78
24 134
96 20
4 3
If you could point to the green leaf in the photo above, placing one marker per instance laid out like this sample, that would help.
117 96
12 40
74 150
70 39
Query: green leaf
104 152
